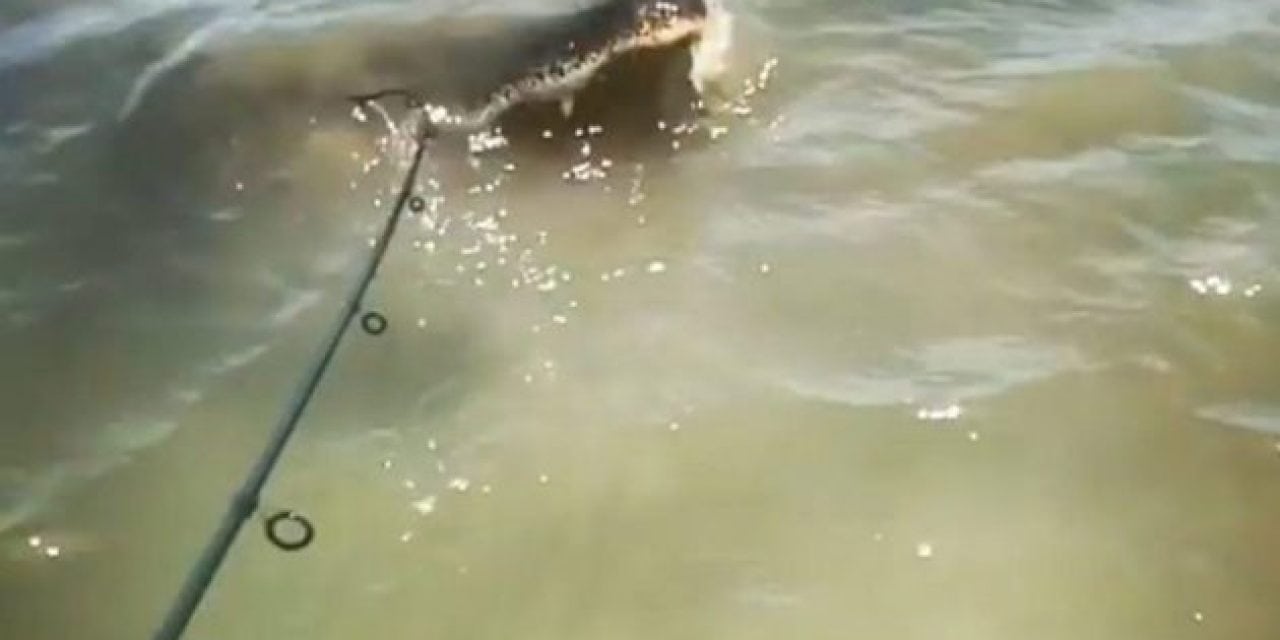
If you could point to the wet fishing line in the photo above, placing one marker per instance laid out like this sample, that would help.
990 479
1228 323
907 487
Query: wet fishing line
246 500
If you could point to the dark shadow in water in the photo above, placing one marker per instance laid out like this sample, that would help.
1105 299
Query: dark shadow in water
258 102
125 228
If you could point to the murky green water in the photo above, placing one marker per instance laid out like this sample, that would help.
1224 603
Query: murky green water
969 330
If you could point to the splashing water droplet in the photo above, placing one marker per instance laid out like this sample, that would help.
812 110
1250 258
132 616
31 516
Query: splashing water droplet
426 505
947 413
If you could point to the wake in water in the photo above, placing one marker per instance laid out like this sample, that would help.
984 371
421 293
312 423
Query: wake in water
621 65
565 53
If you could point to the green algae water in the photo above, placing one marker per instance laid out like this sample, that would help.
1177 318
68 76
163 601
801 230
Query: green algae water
964 322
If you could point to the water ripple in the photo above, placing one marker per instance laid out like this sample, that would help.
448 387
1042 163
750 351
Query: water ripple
1262 418
952 370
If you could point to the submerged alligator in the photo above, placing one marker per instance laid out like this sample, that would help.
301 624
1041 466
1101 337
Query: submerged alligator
560 57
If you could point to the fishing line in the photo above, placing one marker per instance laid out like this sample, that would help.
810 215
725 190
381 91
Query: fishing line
246 500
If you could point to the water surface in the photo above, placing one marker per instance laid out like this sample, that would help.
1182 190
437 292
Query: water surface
969 329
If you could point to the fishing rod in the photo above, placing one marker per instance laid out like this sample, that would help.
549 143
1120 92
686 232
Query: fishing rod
245 501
